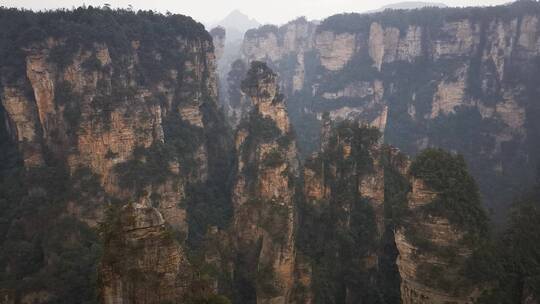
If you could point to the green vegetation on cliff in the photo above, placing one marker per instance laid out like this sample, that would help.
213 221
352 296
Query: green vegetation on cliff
258 73
42 250
45 239
261 130
338 234
514 260
458 198
83 27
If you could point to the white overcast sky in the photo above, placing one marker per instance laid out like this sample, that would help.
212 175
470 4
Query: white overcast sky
273 11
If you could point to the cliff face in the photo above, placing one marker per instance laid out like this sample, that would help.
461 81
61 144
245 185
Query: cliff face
420 77
97 118
283 48
263 231
138 118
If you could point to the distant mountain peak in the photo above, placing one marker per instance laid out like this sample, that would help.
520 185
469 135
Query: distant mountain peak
237 13
238 21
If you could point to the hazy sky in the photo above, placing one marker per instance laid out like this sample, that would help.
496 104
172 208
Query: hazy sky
273 11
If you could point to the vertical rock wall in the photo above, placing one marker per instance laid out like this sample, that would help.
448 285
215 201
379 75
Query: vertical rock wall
263 195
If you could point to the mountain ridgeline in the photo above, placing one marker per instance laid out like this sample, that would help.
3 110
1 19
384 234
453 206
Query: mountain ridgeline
124 181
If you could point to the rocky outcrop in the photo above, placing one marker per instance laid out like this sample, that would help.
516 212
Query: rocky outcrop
414 264
435 244
263 194
142 262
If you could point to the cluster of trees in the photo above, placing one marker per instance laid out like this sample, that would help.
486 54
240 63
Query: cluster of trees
513 259
40 250
458 197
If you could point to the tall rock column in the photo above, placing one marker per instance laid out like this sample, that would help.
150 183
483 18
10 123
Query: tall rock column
342 220
263 194
442 227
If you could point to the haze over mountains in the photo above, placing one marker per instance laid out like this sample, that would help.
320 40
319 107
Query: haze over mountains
146 159
236 24
408 5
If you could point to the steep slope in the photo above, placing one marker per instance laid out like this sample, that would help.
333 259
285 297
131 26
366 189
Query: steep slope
460 79
121 116
514 263
263 231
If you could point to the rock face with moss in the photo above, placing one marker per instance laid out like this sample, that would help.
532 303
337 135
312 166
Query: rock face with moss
142 262
346 221
442 77
444 224
97 91
263 229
